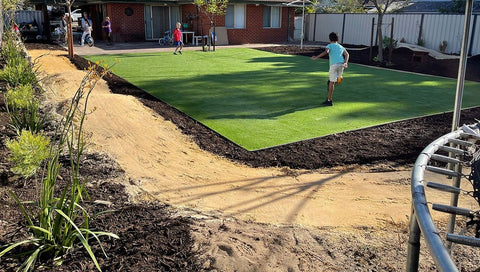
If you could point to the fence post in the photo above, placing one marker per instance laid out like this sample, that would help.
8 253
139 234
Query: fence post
473 34
420 30
390 47
371 38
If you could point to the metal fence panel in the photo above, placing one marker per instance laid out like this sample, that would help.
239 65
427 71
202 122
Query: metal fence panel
433 29
475 41
357 29
438 28
29 16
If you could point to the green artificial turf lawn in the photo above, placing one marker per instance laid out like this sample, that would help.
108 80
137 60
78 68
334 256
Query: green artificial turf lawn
259 99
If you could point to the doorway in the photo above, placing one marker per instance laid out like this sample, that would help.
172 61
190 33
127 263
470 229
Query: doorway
159 19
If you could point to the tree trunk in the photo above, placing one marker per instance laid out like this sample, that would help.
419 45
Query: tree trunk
380 37
214 36
1 22
69 33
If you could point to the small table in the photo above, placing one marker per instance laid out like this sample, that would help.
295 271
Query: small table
185 34
204 39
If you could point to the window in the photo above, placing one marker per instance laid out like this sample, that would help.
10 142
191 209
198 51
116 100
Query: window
235 16
271 16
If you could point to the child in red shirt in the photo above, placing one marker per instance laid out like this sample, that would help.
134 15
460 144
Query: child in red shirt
177 39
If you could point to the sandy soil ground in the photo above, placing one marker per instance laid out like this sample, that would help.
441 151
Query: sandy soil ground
161 161
163 164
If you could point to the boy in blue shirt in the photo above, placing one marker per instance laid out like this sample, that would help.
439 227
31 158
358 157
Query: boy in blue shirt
338 59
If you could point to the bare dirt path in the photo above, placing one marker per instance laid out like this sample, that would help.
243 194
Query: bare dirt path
249 219
163 163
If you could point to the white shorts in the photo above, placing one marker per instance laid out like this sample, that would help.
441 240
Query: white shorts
336 71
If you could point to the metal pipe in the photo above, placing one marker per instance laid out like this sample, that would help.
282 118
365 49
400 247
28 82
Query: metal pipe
469 135
452 150
452 210
442 171
462 239
442 158
424 219
462 65
413 251
460 142
453 202
303 24
444 188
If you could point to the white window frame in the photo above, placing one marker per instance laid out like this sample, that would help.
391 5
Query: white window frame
239 15
272 17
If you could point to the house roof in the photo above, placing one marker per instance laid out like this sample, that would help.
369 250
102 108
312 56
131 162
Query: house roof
434 7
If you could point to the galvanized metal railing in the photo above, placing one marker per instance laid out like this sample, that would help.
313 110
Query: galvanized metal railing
459 150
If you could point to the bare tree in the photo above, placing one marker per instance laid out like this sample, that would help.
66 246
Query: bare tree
382 7
211 9
1 22
69 4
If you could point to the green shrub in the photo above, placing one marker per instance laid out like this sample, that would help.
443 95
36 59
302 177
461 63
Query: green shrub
23 109
11 49
386 42
59 223
420 42
19 71
443 46
28 152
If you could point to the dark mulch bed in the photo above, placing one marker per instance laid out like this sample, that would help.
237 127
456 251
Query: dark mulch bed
396 143
153 238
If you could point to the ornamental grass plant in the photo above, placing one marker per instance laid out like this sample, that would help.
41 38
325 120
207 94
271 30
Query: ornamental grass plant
23 109
57 223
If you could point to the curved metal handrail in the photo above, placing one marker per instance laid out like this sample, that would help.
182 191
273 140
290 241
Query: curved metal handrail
421 221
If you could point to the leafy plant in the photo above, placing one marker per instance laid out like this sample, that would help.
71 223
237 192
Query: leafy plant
23 109
386 42
420 42
28 152
443 46
340 6
212 9
19 71
11 48
58 223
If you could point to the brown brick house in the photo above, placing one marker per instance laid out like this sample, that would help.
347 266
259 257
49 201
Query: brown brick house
246 21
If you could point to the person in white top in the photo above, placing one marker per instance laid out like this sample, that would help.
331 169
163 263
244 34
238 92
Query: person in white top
86 27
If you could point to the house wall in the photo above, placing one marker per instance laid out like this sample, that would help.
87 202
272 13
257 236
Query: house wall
127 28
256 33
253 31
132 28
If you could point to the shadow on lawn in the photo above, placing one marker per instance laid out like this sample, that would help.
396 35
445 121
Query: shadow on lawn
391 144
236 95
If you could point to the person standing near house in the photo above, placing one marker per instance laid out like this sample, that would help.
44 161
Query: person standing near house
107 27
177 39
338 60
86 27
62 37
